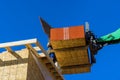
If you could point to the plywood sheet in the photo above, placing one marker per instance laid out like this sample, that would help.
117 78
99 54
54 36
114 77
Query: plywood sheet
67 33
76 69
67 37
60 44
72 56
13 66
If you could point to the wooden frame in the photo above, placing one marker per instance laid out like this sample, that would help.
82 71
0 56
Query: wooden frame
27 44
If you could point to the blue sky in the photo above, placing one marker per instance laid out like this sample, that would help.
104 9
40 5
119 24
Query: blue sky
19 20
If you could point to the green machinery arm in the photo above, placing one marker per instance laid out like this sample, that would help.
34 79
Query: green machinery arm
97 44
112 38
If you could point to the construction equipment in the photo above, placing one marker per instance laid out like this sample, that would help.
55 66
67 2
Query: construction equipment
111 38
71 50
75 48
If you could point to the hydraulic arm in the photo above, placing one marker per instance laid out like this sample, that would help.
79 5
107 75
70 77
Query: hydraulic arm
97 43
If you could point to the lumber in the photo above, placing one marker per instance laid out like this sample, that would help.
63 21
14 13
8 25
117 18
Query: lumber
17 43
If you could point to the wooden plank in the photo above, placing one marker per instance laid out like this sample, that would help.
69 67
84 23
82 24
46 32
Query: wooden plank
76 69
72 56
37 48
32 49
58 78
17 43
9 49
49 65
42 55
47 56
38 44
39 63
45 60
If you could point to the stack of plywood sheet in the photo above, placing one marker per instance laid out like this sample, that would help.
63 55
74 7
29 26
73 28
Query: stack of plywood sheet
72 56
67 37
70 48
72 61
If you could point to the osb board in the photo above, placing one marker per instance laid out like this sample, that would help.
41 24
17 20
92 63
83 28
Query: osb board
33 70
59 44
21 65
72 32
13 66
76 69
72 56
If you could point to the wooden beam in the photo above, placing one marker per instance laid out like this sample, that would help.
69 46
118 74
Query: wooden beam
45 60
42 68
46 74
37 48
32 49
46 54
39 45
17 43
9 49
